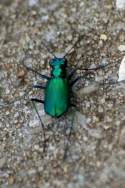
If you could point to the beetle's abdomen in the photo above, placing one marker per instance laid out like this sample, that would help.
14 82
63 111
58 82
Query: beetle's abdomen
56 97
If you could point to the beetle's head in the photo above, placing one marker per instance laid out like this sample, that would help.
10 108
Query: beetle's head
58 62
58 66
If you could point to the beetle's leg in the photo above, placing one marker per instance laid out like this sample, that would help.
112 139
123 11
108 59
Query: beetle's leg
72 73
39 86
37 100
96 68
72 105
81 77
42 125
76 80
88 71
41 75
68 143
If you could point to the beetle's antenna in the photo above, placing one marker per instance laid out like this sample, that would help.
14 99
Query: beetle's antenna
78 40
48 49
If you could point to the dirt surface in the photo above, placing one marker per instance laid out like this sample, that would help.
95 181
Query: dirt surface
30 33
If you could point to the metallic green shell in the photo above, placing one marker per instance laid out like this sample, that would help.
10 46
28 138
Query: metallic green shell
56 97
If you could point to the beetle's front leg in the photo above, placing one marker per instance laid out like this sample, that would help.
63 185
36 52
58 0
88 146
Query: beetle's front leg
41 75
42 125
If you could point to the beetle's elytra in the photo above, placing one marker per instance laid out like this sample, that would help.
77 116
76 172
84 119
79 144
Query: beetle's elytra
57 89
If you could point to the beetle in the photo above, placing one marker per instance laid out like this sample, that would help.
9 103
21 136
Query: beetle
57 89
58 86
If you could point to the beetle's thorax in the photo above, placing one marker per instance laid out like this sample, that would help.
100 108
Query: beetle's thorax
57 71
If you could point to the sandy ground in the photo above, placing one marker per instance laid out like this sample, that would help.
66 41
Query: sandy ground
30 32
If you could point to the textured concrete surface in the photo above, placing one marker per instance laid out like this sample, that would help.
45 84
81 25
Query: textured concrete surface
95 157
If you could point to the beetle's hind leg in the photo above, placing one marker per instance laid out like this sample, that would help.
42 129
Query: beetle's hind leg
38 86
42 125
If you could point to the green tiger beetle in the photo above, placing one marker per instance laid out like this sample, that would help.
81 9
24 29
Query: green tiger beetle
59 84
58 87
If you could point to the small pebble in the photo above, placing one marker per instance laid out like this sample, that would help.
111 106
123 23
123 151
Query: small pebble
45 18
11 180
2 162
33 2
21 73
89 89
121 73
122 138
121 48
36 147
103 37
120 4
80 119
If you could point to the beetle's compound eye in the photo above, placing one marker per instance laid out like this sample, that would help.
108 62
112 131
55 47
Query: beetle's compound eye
51 62
65 62
58 62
